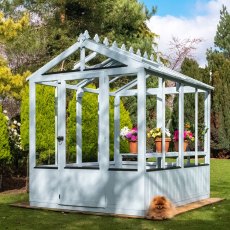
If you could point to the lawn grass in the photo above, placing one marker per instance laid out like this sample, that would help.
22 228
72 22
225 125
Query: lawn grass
210 217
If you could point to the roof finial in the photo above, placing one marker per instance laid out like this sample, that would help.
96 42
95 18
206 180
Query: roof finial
152 57
86 34
114 44
145 55
131 50
158 59
96 38
123 47
82 37
138 52
106 41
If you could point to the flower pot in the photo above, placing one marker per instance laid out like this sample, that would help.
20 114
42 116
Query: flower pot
158 143
133 147
176 145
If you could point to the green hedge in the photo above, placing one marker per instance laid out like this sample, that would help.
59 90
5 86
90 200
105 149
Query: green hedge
4 139
45 123
90 127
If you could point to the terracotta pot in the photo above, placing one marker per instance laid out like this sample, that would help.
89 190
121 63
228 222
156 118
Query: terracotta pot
176 145
158 143
133 147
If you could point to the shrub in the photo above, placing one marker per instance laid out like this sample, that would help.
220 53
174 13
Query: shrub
4 138
5 155
45 123
90 127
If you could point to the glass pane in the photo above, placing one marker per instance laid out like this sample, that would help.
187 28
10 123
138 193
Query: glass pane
45 125
71 150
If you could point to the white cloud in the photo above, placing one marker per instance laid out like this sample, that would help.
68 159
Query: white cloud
203 25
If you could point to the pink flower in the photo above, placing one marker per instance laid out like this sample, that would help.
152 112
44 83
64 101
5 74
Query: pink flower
188 135
134 138
176 135
185 134
132 134
129 135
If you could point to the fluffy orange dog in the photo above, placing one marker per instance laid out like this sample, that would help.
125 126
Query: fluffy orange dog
160 208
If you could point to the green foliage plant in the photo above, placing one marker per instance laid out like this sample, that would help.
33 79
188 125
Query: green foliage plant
4 138
5 154
45 123
90 126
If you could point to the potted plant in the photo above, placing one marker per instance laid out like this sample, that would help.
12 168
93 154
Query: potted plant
156 134
131 136
188 136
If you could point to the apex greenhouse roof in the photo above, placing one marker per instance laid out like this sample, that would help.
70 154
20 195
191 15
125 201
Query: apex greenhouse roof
119 61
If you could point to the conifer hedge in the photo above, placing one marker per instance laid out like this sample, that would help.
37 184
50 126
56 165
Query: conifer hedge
4 140
45 125
90 127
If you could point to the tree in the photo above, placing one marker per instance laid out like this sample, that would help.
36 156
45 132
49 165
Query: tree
60 22
10 28
222 38
219 67
22 43
11 84
220 119
179 49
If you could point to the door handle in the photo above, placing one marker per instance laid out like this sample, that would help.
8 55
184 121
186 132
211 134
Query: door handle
60 139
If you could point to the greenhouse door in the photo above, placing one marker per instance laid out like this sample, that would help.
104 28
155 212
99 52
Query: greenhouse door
78 185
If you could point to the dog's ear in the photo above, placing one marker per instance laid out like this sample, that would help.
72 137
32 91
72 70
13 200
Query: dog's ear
163 198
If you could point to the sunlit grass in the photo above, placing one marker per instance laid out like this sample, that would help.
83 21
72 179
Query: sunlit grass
210 217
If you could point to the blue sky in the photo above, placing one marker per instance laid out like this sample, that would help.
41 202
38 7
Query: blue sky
186 19
181 8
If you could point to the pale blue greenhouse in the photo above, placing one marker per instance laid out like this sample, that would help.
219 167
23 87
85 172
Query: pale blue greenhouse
126 184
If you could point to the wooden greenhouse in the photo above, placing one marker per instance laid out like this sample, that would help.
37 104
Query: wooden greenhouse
127 183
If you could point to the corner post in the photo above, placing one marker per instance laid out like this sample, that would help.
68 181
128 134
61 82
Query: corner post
62 124
56 125
163 122
207 117
196 127
181 125
117 131
159 103
103 122
159 112
79 95
141 120
32 127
